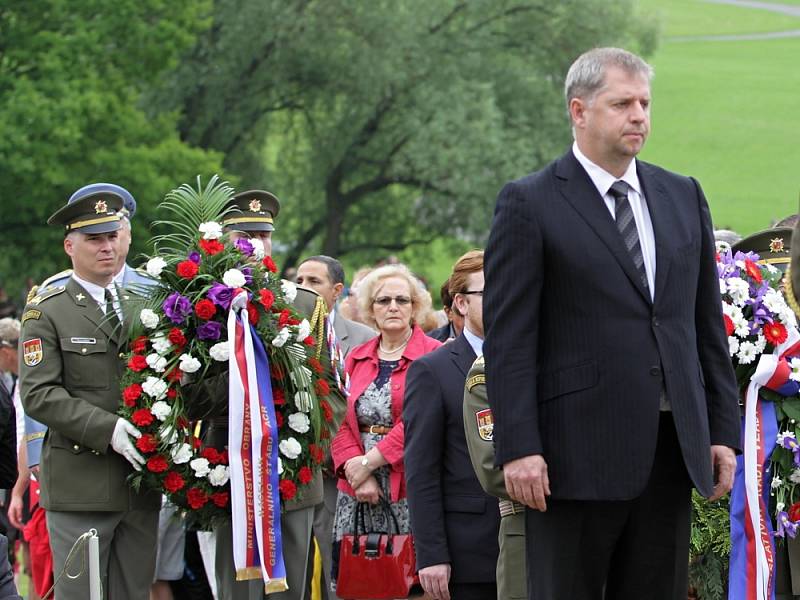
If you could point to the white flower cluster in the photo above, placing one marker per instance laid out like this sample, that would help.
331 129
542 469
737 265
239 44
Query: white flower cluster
155 388
156 362
299 422
181 454
148 318
794 364
281 338
154 266
161 344
211 230
258 248
290 448
303 330
189 364
233 278
738 290
219 351
289 290
161 410
217 476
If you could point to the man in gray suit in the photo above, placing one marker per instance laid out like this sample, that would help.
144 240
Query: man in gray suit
325 275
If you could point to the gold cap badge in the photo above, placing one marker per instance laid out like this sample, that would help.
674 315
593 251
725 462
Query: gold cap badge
255 205
100 207
776 245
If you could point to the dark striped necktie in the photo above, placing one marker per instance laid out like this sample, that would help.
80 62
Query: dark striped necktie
626 225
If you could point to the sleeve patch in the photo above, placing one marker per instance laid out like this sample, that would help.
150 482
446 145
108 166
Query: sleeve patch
485 424
31 314
32 353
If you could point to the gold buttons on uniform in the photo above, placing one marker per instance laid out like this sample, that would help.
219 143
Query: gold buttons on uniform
83 350
122 355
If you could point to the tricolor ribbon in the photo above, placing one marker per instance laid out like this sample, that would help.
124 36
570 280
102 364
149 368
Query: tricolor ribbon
253 455
752 561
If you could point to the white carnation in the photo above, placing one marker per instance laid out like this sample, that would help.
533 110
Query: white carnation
160 410
219 351
155 265
161 344
303 330
148 318
156 362
200 466
302 400
289 290
211 230
280 466
281 338
168 434
189 364
155 388
181 454
290 448
219 475
299 422
258 248
233 278
739 290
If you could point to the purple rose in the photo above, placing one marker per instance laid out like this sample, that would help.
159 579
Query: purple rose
210 331
244 246
248 274
194 257
177 308
221 295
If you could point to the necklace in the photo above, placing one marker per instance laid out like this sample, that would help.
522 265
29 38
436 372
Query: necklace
400 347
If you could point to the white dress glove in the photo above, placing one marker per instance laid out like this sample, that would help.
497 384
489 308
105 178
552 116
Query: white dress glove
121 443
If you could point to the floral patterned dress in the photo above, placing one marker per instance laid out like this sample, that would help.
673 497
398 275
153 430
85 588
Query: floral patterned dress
374 407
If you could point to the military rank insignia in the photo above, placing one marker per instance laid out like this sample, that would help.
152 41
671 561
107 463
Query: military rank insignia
255 205
485 424
32 352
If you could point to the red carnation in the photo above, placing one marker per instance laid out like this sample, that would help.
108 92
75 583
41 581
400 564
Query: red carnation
266 298
139 345
252 313
172 393
304 475
147 443
142 417
182 422
137 363
325 434
131 394
775 333
752 270
211 247
187 269
315 365
270 264
223 457
196 443
284 317
278 398
728 325
326 408
157 464
317 454
288 489
220 499
173 482
196 497
176 336
322 387
211 455
794 511
205 309
279 420
309 341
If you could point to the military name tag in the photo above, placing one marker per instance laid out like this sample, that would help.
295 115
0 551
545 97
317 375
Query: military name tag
32 352
485 424
31 314
77 340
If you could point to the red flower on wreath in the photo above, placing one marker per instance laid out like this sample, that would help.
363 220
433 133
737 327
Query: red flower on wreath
279 420
270 264
196 497
131 394
728 325
220 499
174 374
187 269
327 410
142 417
176 336
284 317
278 399
315 365
752 270
322 387
288 489
317 453
775 333
304 475
137 363
309 341
139 345
252 313
157 464
266 298
205 309
212 455
211 247
147 443
172 393
173 482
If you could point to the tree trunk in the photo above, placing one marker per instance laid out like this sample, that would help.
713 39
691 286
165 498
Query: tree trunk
334 225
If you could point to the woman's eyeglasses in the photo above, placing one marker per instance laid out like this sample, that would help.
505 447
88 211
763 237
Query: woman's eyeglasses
387 300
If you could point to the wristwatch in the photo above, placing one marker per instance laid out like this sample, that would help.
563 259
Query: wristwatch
365 461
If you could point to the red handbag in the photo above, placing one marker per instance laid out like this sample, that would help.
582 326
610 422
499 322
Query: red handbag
375 564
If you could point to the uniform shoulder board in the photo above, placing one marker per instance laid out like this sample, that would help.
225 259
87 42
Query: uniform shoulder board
65 274
32 294
45 293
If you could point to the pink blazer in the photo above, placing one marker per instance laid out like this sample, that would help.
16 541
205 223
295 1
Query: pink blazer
362 365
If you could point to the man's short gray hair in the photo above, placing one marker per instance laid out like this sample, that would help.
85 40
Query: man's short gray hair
9 331
587 74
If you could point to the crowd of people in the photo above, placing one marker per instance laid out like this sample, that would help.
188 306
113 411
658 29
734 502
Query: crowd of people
554 460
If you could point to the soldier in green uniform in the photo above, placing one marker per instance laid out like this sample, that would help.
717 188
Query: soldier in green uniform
69 376
252 216
512 581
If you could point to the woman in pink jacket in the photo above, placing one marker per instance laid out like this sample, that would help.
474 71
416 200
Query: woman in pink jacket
368 449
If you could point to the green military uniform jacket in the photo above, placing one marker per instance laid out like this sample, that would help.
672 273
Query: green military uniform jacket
70 370
209 401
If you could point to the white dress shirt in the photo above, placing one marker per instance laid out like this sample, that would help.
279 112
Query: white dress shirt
98 294
474 341
603 180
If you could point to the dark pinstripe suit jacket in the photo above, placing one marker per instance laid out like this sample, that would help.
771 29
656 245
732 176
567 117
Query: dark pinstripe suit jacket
577 354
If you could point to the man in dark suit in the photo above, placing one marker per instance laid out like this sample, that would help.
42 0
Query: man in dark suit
455 321
606 360
455 523
325 275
